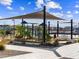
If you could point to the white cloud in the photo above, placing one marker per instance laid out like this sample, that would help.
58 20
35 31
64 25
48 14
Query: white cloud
39 3
6 2
1 17
69 16
62 15
10 8
76 12
49 4
58 14
47 1
22 8
77 6
68 12
53 5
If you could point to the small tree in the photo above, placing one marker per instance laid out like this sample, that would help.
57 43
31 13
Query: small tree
2 33
22 31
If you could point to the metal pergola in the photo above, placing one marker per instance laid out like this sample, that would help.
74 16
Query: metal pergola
36 15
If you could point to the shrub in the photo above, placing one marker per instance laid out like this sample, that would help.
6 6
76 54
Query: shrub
6 41
56 43
19 36
2 47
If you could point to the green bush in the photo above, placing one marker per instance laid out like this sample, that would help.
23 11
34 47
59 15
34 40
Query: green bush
22 31
2 47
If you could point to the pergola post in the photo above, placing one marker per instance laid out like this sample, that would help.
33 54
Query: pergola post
14 25
44 23
57 28
32 29
22 22
49 27
35 31
71 28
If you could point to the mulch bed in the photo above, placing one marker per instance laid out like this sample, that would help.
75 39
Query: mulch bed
9 53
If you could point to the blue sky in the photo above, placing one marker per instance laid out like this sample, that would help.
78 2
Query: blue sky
67 9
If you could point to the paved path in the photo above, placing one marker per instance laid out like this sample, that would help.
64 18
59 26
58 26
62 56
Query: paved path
36 53
71 51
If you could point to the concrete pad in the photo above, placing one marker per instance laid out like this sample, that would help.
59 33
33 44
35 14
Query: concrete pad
70 51
36 53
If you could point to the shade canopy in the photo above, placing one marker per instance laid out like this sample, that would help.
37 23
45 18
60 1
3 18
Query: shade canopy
34 15
41 24
24 22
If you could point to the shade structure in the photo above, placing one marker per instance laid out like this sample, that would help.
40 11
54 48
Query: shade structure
24 22
34 15
37 15
42 24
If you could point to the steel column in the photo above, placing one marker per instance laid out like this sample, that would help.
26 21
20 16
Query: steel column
44 24
49 27
71 28
14 25
22 22
57 28
32 29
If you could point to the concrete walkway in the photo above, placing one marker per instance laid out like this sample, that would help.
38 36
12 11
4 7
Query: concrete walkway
36 53
71 51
